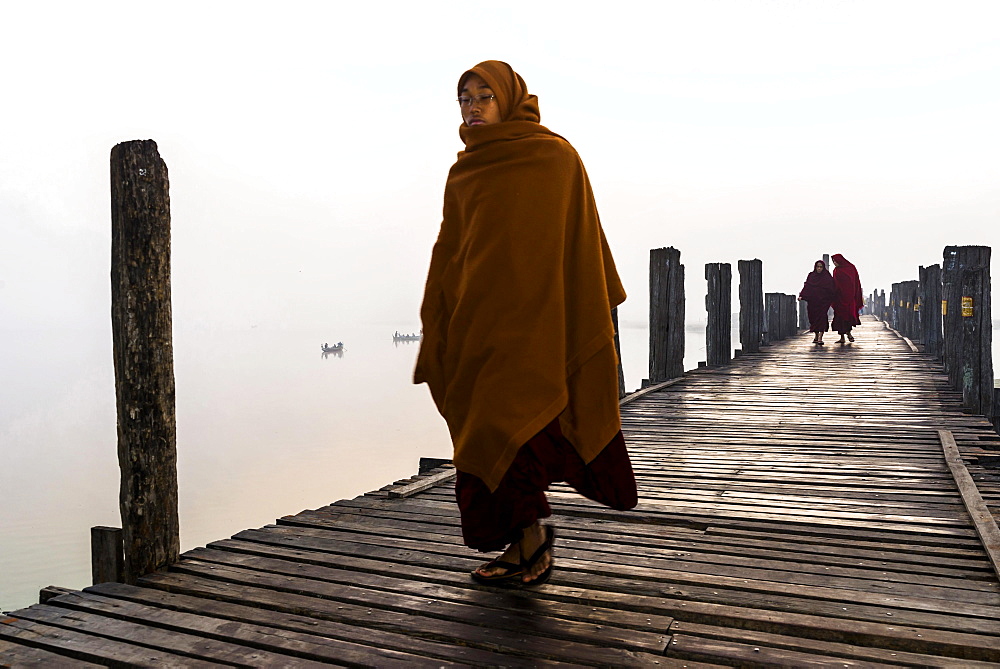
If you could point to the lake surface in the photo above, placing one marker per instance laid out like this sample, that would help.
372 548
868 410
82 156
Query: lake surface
266 426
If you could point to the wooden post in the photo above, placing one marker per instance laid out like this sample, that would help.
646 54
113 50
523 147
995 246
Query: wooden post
143 356
772 320
107 560
666 314
996 405
930 309
718 302
803 315
977 341
791 315
751 305
957 259
618 350
911 297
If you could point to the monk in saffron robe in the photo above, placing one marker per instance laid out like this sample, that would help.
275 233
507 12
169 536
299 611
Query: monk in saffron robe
849 300
518 349
818 291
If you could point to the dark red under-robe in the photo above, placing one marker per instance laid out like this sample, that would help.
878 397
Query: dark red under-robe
849 300
818 291
492 521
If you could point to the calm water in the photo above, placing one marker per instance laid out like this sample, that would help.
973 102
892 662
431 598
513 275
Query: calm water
266 426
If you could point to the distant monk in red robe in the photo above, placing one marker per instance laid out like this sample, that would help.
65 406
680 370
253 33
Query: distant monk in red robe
849 301
818 291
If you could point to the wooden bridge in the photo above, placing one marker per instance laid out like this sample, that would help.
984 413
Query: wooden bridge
803 506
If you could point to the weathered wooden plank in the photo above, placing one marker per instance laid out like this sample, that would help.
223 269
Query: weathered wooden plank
90 648
985 525
207 605
811 646
426 617
425 482
20 656
288 646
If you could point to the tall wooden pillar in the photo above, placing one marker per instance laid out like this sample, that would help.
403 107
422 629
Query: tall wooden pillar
143 357
930 309
751 305
666 314
977 340
718 302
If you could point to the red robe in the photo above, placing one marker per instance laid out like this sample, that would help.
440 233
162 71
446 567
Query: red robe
849 300
818 291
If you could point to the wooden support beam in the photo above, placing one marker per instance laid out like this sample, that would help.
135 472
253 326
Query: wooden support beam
718 303
141 325
985 526
930 309
751 305
666 314
976 362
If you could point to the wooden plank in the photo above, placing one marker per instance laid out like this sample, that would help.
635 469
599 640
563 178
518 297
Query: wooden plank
814 646
747 655
425 482
284 620
89 648
360 647
396 614
19 656
985 525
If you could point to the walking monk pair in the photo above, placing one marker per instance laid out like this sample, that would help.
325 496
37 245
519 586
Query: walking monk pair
842 291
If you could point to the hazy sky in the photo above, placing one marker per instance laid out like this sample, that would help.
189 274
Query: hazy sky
308 142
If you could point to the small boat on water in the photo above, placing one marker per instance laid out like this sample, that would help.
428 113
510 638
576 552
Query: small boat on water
336 348
399 336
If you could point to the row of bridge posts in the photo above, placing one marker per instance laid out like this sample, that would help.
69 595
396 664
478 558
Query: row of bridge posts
948 312
764 318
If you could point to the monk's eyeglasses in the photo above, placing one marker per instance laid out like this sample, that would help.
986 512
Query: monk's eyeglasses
466 101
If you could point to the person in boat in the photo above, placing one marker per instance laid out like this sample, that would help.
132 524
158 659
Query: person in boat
518 343
818 291
849 300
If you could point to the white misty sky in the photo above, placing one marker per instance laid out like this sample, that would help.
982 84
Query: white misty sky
308 142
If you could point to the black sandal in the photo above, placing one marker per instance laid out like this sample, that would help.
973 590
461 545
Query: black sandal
513 573
546 546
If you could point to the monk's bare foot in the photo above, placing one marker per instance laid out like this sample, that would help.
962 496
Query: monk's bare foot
511 555
534 536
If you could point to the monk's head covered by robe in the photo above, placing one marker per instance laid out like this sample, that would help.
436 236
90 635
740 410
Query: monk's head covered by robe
512 97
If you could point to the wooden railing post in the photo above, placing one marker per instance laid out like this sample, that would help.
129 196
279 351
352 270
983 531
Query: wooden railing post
791 318
718 302
143 356
618 350
751 305
957 259
666 314
930 309
772 322
977 339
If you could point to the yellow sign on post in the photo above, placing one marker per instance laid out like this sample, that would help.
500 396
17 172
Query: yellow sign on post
944 307
966 306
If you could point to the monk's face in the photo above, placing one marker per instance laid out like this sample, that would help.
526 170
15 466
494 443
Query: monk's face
819 267
479 108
